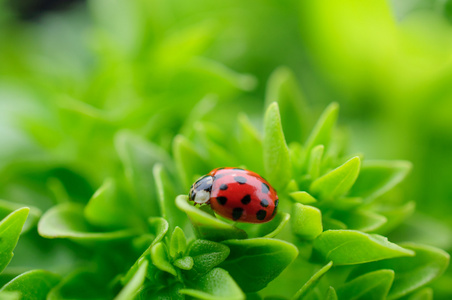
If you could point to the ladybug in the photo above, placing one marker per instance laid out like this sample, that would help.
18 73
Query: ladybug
236 194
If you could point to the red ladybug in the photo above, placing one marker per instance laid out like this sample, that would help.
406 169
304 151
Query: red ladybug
236 194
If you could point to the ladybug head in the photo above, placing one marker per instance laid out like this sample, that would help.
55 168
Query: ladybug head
200 190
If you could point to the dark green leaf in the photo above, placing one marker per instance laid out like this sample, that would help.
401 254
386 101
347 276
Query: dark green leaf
306 221
378 177
207 255
312 282
411 272
276 153
370 286
347 247
253 263
32 285
10 229
67 221
207 226
283 88
338 181
215 285
331 294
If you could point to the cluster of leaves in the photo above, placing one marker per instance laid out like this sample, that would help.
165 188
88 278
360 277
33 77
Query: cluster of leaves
144 241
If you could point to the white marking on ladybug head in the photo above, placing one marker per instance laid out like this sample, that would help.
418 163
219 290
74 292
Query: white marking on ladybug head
202 197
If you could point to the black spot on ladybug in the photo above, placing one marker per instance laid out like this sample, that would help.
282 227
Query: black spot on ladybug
223 187
274 211
240 179
261 214
264 202
276 206
276 202
265 188
237 213
247 199
222 200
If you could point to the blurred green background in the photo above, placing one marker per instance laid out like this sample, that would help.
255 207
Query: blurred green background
70 79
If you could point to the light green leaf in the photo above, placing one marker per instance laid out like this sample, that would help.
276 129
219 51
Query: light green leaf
32 285
7 207
268 229
215 285
378 177
303 197
276 153
109 208
338 181
362 220
331 294
395 215
189 162
422 294
254 263
160 259
283 88
321 133
206 255
370 286
312 282
315 161
250 139
306 221
184 263
207 226
66 220
348 247
10 229
10 295
411 272
134 285
166 192
138 157
178 243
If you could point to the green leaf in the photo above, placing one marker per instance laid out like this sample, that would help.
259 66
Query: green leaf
348 247
411 272
395 215
303 197
338 181
109 208
276 153
166 193
362 220
66 220
306 221
378 177
207 226
189 162
253 263
7 207
135 284
331 294
268 229
10 295
10 229
178 243
81 284
249 138
312 282
315 161
138 157
422 294
171 292
32 285
215 285
283 88
184 263
160 259
321 134
370 286
207 255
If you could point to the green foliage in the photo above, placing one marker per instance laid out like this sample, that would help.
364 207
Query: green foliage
104 153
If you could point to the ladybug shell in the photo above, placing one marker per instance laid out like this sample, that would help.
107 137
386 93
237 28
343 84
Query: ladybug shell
242 196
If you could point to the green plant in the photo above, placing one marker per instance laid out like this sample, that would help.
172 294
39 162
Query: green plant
139 237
